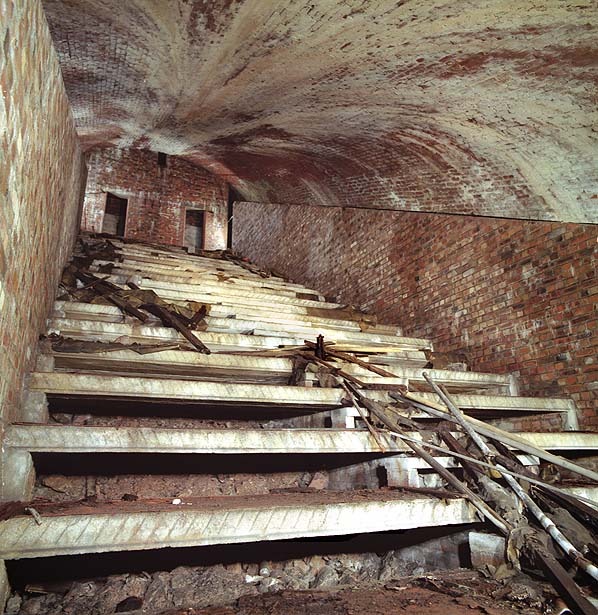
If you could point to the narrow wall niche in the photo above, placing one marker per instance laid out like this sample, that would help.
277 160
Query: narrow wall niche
194 229
115 215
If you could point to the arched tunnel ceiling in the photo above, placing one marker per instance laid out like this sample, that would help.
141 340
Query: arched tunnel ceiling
481 106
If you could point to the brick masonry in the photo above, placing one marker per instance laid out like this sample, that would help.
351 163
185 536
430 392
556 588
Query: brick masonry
157 195
42 177
484 109
511 296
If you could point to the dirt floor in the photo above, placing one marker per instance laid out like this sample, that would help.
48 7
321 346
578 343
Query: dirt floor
443 593
379 601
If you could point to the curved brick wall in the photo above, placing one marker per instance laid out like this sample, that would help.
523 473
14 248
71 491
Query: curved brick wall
484 106
512 296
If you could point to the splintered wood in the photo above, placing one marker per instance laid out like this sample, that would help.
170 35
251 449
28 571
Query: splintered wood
133 301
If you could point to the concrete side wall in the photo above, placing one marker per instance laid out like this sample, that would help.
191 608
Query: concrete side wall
42 177
511 296
157 195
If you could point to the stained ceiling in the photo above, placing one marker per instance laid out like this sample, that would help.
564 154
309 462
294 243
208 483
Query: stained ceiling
481 106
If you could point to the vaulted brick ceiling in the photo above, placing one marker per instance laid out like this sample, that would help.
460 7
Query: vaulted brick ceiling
481 106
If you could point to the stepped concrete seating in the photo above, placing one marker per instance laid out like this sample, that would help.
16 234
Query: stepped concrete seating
88 439
283 320
255 327
131 526
59 384
244 368
247 312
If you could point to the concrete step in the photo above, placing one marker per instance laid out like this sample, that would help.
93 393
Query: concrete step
143 333
217 288
238 368
85 439
160 255
205 293
61 384
164 273
217 268
233 325
166 253
69 529
275 318
183 274
197 264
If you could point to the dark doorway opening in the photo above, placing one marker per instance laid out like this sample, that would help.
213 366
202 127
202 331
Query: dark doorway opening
115 215
194 229
233 196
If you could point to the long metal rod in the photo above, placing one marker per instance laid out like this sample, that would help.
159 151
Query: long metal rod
547 523
364 418
475 500
499 434
484 464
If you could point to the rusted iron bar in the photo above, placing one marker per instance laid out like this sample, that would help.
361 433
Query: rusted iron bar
490 431
476 501
171 320
564 543
109 290
456 447
364 418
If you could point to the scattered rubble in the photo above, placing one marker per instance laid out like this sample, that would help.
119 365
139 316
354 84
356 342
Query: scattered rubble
332 585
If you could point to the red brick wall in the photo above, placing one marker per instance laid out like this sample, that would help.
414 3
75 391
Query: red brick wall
396 176
157 196
513 296
42 176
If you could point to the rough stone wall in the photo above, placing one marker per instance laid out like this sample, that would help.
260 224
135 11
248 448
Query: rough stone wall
42 177
512 296
477 107
157 195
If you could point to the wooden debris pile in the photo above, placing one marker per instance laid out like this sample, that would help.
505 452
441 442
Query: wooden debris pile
82 285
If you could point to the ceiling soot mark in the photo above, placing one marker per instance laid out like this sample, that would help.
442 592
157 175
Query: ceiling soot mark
484 106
